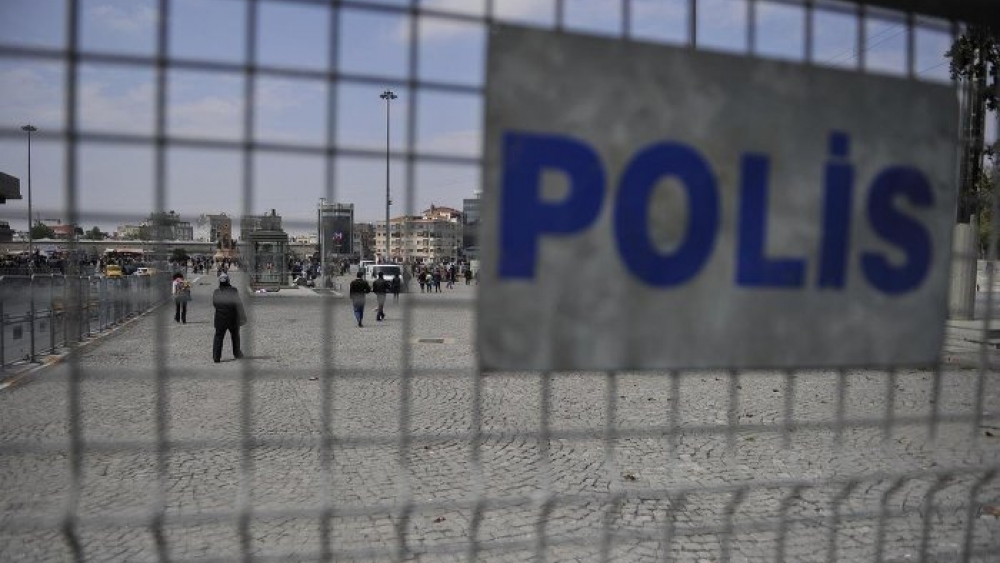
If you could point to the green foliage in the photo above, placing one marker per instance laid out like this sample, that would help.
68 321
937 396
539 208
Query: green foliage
164 219
975 59
94 234
985 193
39 231
179 255
975 55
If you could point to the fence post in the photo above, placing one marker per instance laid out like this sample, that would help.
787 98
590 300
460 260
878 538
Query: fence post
119 299
81 309
67 316
31 314
3 326
107 305
89 285
52 314
102 303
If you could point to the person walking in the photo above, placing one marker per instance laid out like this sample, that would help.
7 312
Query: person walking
380 288
468 276
181 291
229 315
358 290
395 286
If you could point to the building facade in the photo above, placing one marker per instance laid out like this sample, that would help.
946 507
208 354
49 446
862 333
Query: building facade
431 237
470 227
364 240
335 222
267 222
128 232
213 228
158 226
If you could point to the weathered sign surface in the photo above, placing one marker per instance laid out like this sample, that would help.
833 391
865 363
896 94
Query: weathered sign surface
651 207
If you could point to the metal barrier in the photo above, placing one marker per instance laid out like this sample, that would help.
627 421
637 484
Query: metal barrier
410 455
43 313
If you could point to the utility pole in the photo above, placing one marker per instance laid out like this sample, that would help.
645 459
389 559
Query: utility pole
29 129
388 96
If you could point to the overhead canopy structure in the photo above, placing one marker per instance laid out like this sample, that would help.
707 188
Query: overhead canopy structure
10 187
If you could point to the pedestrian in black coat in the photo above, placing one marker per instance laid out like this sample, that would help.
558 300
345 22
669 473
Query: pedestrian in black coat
381 288
359 288
229 315
396 285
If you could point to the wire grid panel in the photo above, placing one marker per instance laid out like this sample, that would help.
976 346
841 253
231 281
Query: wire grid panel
332 443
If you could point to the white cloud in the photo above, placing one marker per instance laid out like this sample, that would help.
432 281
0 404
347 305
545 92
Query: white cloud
136 18
438 29
454 143
31 94
128 110
210 116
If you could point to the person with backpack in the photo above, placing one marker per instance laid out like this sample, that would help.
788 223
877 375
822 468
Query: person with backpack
181 291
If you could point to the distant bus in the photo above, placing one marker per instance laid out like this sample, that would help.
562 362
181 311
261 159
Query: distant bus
124 253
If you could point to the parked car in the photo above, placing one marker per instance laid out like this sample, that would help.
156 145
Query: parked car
113 271
144 271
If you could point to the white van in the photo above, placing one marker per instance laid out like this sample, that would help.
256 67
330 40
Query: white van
363 266
389 271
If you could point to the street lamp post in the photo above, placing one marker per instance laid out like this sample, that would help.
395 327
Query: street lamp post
387 96
322 240
29 129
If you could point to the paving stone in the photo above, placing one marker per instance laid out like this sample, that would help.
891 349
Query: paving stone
359 441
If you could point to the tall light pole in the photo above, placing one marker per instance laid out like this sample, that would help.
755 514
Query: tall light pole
322 240
388 96
29 129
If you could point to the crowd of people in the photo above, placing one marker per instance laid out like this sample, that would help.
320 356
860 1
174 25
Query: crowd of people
430 277
230 314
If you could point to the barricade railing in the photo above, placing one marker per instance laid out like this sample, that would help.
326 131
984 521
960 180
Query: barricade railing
41 314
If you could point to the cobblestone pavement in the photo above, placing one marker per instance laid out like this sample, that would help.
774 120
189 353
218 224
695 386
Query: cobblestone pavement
699 466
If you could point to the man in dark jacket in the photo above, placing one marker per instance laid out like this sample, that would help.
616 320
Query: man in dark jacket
359 288
395 286
381 289
229 315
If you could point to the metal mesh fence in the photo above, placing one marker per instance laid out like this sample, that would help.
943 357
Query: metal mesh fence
330 444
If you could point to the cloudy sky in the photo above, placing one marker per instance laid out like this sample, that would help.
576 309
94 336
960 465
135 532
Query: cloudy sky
206 105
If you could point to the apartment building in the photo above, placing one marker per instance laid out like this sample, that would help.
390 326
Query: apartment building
433 236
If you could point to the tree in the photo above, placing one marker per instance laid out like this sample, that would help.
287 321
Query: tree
179 255
160 219
975 58
95 234
41 230
985 197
